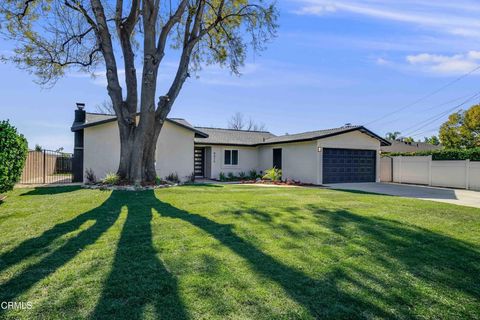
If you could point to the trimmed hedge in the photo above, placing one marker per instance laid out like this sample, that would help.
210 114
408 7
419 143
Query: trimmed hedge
13 153
446 154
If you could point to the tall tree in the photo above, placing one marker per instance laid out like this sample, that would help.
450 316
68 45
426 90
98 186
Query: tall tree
52 36
432 140
393 135
238 122
462 129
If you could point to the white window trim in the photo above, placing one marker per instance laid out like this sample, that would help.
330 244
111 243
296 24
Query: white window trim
230 165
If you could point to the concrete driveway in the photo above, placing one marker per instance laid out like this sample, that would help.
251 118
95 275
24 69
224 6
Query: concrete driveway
454 196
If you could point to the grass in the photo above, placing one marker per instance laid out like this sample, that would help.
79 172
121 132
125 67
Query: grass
236 252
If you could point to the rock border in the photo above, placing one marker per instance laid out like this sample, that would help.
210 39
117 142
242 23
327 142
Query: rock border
127 187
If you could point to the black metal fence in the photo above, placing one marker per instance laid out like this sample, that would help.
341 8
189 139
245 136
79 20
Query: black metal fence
47 167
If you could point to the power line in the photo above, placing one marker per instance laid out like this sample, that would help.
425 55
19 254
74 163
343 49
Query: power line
430 108
426 131
428 95
438 116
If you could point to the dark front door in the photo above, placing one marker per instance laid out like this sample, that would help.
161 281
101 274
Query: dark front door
199 162
349 165
277 158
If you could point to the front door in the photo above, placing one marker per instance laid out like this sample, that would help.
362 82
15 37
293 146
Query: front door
277 158
199 162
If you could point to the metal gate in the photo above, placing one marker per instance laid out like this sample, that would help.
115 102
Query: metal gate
47 167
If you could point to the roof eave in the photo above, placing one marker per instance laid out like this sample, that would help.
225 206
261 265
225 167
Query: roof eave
78 126
383 142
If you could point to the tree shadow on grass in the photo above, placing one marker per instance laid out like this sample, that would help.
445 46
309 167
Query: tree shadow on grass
137 278
40 191
315 295
104 217
428 256
402 262
140 283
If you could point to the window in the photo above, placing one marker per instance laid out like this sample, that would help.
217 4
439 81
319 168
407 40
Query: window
231 157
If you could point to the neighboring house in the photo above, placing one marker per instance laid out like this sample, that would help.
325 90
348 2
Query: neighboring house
346 154
402 146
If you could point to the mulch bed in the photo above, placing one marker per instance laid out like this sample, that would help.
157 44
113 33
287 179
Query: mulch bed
278 183
126 187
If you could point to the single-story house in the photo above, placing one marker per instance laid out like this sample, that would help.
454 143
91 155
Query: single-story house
345 154
404 146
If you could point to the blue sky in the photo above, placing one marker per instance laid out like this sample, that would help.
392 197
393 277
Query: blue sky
333 62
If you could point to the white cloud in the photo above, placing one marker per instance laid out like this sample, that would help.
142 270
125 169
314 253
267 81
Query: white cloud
382 61
444 64
317 10
437 15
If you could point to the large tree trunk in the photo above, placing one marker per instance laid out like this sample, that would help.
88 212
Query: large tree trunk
137 150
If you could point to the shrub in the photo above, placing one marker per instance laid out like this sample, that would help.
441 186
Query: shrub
222 176
445 154
111 178
231 176
172 177
273 174
242 175
252 174
191 177
13 153
90 176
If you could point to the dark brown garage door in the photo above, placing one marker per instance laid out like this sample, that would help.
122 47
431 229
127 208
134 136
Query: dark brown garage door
348 165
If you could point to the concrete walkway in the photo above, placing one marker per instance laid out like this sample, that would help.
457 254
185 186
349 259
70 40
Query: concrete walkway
454 196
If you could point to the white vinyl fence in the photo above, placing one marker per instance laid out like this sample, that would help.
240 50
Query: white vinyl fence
463 174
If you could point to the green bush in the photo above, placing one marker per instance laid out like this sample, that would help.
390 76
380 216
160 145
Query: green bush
231 176
445 154
222 176
242 175
90 176
13 153
111 178
252 174
273 174
173 177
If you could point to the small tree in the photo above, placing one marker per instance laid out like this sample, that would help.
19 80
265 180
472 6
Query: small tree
13 152
238 122
462 129
432 140
392 135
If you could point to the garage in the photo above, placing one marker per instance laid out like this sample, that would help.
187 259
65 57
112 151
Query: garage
348 165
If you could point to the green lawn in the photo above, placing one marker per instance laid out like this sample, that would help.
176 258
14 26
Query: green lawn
236 252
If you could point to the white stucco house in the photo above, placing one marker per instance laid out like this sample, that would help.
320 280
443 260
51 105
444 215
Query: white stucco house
345 154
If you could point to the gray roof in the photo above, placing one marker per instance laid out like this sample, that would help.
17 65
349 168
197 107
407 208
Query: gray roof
219 136
402 146
93 119
310 135
233 137
255 138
